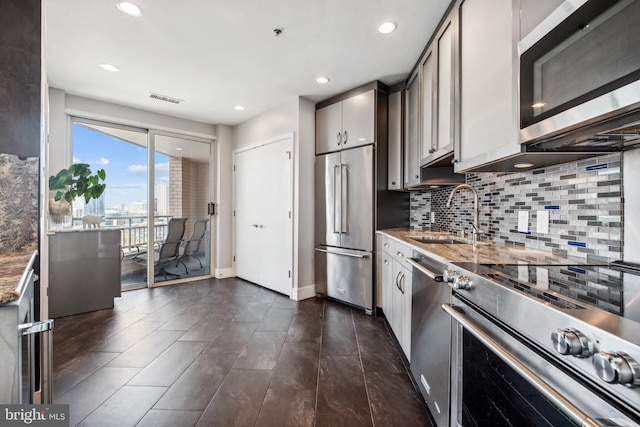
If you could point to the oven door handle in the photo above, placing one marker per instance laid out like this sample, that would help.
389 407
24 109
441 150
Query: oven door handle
567 407
430 274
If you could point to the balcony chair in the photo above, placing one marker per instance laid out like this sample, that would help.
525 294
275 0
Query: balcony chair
170 248
192 247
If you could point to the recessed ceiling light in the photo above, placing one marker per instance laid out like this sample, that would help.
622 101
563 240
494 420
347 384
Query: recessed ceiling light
129 8
239 107
109 67
522 165
178 149
322 80
538 105
387 27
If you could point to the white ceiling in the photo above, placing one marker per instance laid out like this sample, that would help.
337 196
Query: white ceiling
215 54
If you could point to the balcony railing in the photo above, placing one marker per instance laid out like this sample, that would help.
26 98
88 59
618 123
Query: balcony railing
134 231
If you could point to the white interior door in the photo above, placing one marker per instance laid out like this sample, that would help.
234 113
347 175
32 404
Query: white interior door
275 231
246 216
263 226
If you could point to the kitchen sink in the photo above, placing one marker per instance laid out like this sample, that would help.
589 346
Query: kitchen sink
447 241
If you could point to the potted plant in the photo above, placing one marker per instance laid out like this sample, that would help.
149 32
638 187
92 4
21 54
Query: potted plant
70 183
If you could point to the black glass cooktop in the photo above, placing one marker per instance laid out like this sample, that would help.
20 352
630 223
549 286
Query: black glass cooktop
609 287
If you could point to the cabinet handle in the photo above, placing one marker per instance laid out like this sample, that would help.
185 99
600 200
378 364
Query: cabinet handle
400 254
393 183
386 245
432 150
417 176
386 262
339 138
346 137
397 279
401 286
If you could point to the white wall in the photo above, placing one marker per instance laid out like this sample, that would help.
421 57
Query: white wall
62 105
276 122
223 219
297 116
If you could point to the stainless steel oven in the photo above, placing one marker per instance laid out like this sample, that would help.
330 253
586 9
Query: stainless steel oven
539 346
579 67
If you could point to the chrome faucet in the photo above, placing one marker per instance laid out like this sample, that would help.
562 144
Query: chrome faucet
476 226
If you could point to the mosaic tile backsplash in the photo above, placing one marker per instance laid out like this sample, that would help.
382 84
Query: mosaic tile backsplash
583 199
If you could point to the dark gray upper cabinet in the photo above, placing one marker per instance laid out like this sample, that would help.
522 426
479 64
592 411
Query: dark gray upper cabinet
412 133
395 179
488 82
346 124
440 93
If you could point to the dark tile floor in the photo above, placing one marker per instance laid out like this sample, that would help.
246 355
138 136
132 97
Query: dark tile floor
229 353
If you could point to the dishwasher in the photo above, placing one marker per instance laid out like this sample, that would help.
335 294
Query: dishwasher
430 335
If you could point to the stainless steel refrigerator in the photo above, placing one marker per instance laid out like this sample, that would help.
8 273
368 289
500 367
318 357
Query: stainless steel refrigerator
352 200
345 225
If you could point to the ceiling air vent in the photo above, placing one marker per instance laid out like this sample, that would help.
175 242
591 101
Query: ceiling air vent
165 98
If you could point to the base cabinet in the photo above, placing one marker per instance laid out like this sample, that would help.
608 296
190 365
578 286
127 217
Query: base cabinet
396 292
84 271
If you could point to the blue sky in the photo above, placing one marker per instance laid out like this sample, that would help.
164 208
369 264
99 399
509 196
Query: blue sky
125 164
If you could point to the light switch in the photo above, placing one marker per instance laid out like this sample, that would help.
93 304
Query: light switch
542 222
523 221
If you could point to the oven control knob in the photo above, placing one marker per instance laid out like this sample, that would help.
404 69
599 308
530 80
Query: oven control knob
571 341
450 276
463 282
617 367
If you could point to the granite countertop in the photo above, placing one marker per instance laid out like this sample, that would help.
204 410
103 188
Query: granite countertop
483 253
12 266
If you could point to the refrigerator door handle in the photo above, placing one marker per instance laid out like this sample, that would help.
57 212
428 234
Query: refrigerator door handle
342 253
344 197
335 180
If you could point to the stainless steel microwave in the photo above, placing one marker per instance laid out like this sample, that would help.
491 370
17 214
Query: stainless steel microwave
579 68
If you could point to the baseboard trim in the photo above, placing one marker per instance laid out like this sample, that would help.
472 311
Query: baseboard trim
305 292
223 273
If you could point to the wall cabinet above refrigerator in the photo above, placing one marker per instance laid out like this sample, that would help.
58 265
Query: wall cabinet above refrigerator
346 124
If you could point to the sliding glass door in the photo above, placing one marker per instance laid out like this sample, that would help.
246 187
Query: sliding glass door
165 232
182 208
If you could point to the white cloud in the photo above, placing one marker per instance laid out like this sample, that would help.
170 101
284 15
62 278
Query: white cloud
76 160
162 170
102 161
137 169
111 186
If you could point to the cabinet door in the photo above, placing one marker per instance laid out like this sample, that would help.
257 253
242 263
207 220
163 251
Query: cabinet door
359 120
443 143
401 313
387 285
394 155
488 83
405 312
329 128
411 148
428 144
